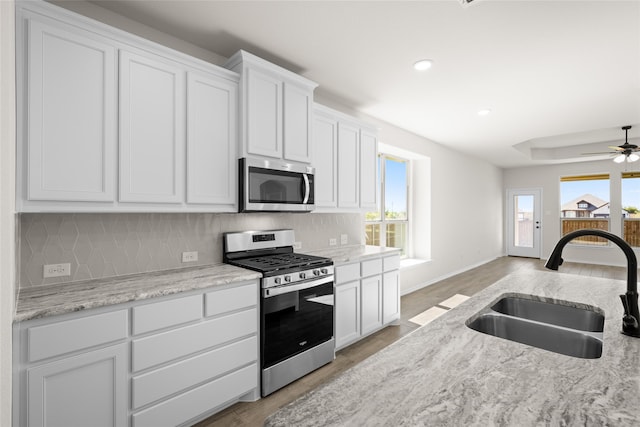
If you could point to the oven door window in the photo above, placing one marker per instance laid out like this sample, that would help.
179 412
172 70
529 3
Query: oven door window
270 186
296 321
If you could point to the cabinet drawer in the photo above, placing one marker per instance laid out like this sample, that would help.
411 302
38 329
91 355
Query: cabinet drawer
163 382
71 335
391 263
347 273
371 267
160 315
186 406
170 345
227 300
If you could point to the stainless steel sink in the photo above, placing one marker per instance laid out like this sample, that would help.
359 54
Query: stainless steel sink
548 312
547 325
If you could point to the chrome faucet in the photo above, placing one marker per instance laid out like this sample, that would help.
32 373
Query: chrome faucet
631 316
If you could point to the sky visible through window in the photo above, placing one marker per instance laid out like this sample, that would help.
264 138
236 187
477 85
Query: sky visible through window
573 189
396 187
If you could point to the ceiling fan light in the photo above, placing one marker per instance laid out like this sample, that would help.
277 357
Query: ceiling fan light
619 159
633 157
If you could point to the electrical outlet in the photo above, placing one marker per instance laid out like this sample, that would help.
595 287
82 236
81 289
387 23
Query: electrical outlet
333 242
344 239
56 270
189 256
297 245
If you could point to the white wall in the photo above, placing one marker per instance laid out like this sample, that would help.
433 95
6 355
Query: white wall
458 209
548 178
457 205
7 205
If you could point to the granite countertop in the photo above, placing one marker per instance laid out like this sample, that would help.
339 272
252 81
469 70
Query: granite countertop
50 300
349 254
447 374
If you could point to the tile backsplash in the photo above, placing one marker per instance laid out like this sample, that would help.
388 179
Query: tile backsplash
107 245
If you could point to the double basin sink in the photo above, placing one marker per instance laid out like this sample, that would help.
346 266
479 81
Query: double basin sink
555 326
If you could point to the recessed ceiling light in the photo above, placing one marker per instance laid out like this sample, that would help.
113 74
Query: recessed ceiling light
484 112
423 64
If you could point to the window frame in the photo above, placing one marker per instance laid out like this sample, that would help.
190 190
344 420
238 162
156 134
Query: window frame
585 241
380 188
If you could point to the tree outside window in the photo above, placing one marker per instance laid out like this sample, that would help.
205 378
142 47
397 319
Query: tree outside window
389 227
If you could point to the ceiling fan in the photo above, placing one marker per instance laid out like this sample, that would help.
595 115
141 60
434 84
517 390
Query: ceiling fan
625 151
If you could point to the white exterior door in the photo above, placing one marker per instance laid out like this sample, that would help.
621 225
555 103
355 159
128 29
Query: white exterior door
524 223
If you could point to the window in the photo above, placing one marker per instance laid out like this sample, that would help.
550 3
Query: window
389 227
584 202
630 208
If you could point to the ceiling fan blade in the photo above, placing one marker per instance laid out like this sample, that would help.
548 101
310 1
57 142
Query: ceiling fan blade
615 147
602 152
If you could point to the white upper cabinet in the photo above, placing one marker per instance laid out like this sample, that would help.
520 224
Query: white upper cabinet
152 129
325 158
211 140
298 109
110 122
263 120
348 171
70 141
368 169
345 156
276 110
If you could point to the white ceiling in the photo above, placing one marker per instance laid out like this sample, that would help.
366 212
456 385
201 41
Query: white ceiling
561 77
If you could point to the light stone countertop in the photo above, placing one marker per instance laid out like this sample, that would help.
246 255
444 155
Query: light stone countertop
349 254
445 374
51 300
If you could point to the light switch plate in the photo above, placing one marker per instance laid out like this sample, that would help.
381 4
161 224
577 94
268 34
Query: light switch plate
344 239
333 242
56 270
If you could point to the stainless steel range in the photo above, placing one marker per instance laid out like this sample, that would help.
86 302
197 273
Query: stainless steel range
296 305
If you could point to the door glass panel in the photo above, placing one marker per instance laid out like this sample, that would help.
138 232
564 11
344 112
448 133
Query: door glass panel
523 221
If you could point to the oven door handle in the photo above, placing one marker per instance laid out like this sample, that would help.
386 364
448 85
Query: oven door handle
284 289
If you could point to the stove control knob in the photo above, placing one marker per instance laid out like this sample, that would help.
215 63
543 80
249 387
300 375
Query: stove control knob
303 275
287 278
324 271
278 280
316 273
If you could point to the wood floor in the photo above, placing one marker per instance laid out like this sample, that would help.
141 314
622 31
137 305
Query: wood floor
467 283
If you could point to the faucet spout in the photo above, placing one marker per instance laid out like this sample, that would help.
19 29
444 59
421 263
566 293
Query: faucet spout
631 319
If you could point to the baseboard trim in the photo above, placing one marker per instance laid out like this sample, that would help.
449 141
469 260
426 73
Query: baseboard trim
446 276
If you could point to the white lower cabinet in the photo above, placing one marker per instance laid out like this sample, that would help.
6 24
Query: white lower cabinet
367 298
159 362
84 390
371 307
347 310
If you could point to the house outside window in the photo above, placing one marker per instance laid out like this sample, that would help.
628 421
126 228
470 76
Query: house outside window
584 202
388 226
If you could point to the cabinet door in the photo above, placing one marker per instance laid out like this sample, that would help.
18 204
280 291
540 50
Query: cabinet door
85 390
348 173
368 170
390 296
152 135
347 313
71 111
297 123
211 140
263 127
325 145
371 307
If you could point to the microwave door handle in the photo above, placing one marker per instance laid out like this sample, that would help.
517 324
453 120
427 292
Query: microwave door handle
307 188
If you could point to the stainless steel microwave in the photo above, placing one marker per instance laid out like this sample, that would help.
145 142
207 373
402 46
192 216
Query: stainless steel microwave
275 186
